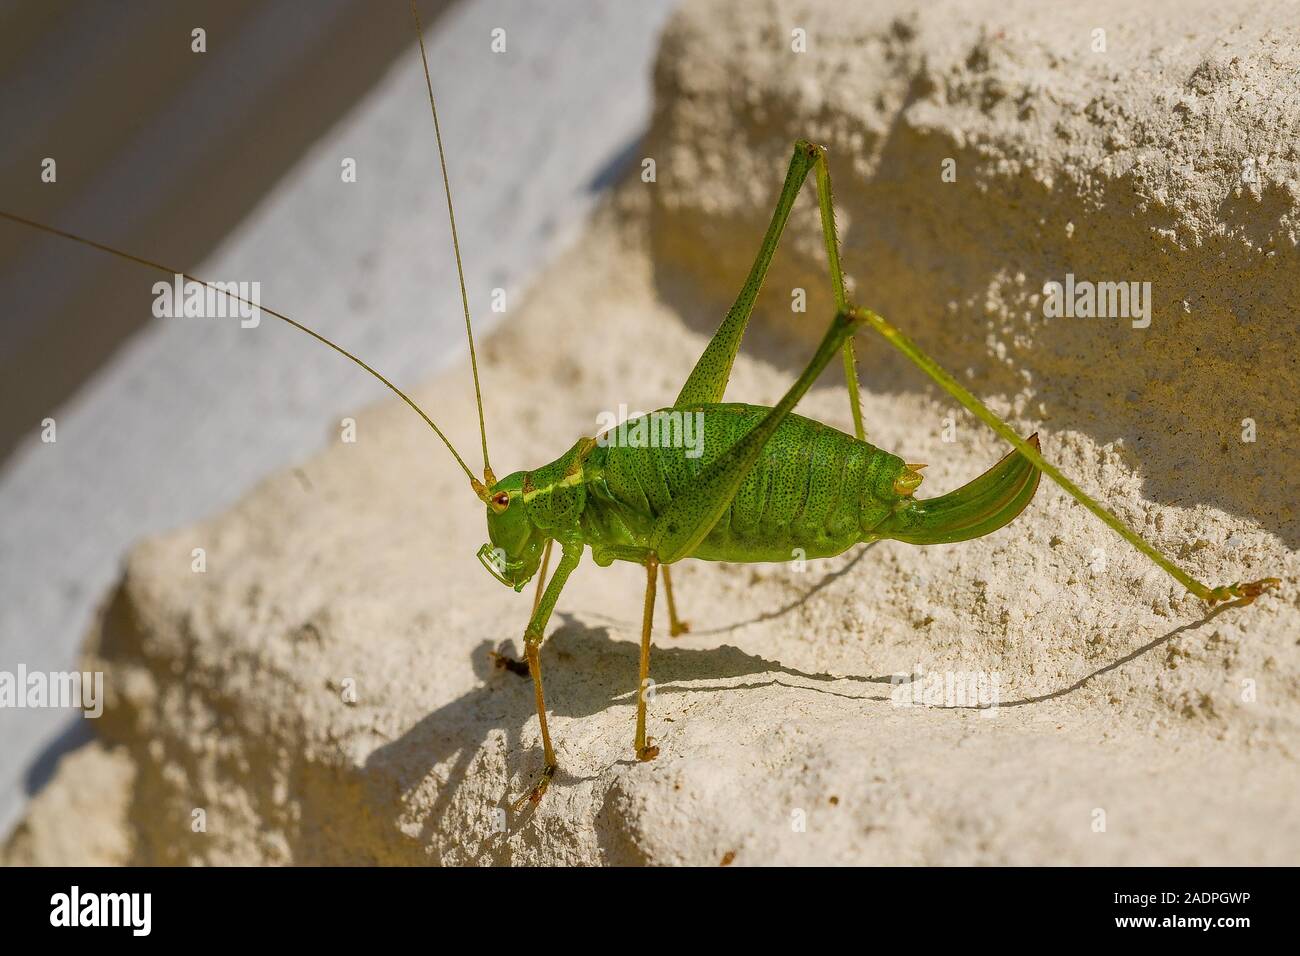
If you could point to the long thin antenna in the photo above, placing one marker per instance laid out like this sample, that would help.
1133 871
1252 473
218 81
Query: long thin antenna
455 244
279 315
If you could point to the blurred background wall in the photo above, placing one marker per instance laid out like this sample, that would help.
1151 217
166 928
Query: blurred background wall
141 128
226 164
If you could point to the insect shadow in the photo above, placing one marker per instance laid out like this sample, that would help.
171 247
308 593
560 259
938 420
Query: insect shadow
1107 668
587 671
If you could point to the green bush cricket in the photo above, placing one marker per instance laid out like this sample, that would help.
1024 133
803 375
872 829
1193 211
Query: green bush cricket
765 485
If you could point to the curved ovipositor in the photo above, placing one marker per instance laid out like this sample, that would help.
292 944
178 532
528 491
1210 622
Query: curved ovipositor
975 509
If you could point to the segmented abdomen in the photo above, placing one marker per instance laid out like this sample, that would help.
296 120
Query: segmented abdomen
814 488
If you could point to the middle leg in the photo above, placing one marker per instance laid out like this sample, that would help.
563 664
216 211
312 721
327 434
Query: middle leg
645 749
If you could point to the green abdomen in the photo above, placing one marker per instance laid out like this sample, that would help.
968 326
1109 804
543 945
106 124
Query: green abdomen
814 492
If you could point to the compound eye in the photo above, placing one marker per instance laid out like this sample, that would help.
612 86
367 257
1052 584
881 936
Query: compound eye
501 499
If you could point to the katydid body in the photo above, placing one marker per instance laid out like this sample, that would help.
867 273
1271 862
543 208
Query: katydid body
767 485
813 493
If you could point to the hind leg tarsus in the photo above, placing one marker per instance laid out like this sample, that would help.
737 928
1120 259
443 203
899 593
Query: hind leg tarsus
1242 593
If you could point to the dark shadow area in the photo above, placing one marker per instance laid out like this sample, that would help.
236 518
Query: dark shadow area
77 732
159 150
620 163
586 671
827 579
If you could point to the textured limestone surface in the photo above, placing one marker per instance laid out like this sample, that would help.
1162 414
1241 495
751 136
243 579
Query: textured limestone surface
188 414
324 692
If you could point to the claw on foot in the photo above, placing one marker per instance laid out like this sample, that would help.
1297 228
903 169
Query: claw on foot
1245 592
534 796
678 628
648 752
